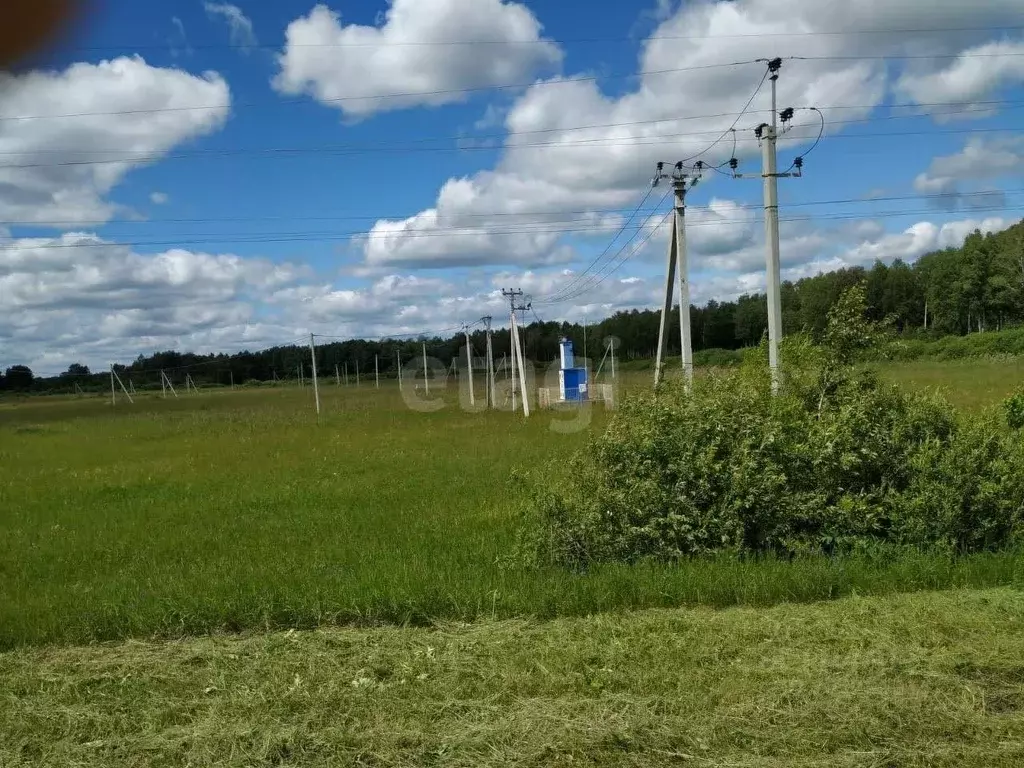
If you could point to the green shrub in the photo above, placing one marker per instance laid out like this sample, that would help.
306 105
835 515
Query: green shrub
836 462
1013 406
1005 343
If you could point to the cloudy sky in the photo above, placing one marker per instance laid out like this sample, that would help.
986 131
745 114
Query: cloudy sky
215 176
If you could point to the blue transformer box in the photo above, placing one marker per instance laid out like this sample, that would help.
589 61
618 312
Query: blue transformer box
573 384
572 381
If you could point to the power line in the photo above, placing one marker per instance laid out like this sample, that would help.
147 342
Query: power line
500 86
292 237
580 279
612 141
559 298
415 335
218 358
596 280
410 94
970 107
621 229
585 215
553 41
909 57
732 127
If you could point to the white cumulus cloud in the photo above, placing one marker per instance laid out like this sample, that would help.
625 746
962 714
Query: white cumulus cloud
70 137
357 68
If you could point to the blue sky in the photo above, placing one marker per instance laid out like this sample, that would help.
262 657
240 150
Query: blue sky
212 176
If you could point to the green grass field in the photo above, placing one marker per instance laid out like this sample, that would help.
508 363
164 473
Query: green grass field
157 558
968 384
238 510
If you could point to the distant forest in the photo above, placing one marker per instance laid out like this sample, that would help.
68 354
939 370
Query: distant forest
976 287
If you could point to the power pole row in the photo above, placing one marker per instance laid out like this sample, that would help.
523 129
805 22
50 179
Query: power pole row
683 179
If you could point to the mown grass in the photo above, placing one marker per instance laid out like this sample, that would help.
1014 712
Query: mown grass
239 510
929 679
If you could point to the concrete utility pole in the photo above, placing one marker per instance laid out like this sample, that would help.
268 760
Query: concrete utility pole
584 341
769 171
165 384
677 263
768 135
312 360
426 373
490 364
469 366
113 375
518 355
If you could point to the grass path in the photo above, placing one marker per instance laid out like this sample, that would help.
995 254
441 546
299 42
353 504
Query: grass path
929 679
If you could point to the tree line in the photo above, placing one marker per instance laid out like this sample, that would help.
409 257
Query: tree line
978 286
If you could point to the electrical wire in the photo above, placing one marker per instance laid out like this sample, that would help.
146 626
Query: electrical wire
221 359
622 229
562 296
742 111
732 127
599 142
405 95
553 41
909 57
33 244
586 215
969 108
798 160
497 86
583 289
417 335
580 278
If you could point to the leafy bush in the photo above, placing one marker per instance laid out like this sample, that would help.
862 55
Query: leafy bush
836 462
1014 409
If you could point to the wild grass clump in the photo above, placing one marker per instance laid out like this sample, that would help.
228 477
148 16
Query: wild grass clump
837 462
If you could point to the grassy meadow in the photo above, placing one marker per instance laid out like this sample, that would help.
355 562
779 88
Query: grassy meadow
157 560
231 510
970 384
930 679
